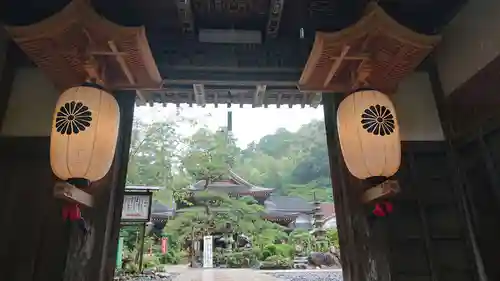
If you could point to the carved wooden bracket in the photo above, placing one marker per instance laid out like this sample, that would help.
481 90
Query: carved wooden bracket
375 52
381 191
70 193
77 43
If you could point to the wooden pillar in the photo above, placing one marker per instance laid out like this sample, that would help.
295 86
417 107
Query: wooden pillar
92 257
364 253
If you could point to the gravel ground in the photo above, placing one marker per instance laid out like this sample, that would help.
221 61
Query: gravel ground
148 277
307 275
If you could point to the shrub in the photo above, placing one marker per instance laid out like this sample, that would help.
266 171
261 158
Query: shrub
285 250
150 261
276 262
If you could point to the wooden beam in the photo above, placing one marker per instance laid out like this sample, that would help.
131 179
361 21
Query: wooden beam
123 65
9 61
185 14
259 95
316 99
71 193
305 96
140 95
336 65
199 94
107 53
274 18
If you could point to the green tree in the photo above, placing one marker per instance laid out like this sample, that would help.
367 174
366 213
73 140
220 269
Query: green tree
209 155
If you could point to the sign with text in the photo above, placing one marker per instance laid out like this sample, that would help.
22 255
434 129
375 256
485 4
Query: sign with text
136 207
207 252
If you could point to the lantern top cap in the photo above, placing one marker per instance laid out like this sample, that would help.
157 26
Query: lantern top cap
92 85
364 89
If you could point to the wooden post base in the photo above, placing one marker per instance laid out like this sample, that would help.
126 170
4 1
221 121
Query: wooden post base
71 193
381 191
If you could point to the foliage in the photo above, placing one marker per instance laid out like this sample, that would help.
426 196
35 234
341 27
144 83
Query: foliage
150 261
302 238
238 258
276 262
293 163
221 213
209 155
333 237
282 250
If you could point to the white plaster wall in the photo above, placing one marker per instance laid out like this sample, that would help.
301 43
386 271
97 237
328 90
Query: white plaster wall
470 42
31 105
416 109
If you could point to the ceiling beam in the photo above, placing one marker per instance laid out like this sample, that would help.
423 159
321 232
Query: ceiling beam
316 99
259 95
179 82
273 22
204 95
199 94
186 17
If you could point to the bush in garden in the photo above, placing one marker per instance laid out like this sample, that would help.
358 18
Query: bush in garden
284 250
276 262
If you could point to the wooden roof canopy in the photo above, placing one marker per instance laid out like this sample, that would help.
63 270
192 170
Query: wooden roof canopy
76 43
375 52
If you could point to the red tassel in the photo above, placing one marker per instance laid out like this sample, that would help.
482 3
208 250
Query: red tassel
71 212
378 211
388 207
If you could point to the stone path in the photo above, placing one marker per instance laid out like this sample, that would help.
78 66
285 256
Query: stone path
258 275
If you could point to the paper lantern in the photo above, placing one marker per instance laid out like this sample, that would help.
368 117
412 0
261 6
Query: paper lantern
369 134
84 133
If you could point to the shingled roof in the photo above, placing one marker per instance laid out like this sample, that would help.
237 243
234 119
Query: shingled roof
233 184
288 204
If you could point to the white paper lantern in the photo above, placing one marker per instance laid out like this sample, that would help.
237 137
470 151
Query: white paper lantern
84 133
369 134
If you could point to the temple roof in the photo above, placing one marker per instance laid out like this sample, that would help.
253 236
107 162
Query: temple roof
233 184
287 204
160 211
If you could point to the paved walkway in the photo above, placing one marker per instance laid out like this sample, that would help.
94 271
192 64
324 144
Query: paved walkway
256 275
223 275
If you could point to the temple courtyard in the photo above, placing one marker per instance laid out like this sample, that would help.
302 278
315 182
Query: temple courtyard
187 274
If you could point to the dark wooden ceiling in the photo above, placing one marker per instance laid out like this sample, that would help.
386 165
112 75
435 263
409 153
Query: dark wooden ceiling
426 16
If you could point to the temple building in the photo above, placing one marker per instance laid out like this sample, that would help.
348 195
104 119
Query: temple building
288 211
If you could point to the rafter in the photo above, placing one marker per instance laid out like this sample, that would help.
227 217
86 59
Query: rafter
336 65
384 51
199 94
273 22
259 95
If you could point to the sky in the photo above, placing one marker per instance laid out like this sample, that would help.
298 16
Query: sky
249 124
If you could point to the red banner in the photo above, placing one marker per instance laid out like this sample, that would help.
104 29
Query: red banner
164 245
